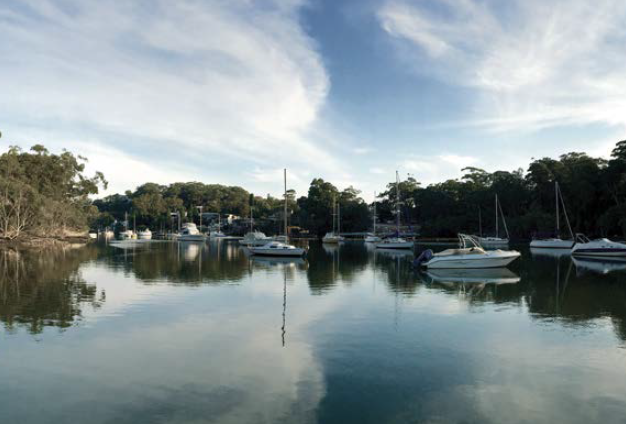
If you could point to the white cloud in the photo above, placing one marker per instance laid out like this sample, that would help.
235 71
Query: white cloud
536 64
236 80
435 169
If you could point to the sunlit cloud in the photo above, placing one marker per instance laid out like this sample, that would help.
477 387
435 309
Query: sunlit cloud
236 81
535 64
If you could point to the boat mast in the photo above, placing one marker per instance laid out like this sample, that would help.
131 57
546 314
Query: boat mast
558 218
397 204
569 227
338 218
285 212
497 229
374 213
480 222
251 205
506 229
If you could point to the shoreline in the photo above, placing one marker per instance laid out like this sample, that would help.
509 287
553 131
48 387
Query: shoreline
40 243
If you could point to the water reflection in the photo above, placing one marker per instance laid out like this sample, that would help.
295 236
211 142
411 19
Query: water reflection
350 334
45 289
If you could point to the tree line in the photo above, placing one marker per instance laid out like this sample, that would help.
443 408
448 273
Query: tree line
44 193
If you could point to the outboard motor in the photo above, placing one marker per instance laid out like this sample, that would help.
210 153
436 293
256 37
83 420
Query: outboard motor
424 257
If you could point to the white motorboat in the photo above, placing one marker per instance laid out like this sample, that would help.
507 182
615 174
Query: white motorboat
108 234
145 234
276 248
601 248
471 255
93 236
496 241
126 235
255 238
190 233
395 242
332 238
216 235
371 238
556 242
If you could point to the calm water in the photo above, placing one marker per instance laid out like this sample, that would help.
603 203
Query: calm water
169 333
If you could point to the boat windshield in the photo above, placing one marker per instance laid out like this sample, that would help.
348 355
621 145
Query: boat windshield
581 238
467 241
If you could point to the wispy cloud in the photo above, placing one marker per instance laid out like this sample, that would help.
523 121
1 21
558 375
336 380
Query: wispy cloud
236 80
536 64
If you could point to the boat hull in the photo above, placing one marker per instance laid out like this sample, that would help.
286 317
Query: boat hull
600 253
259 251
399 245
472 262
552 244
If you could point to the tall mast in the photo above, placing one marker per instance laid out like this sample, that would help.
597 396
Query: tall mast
251 205
558 217
397 204
374 213
285 212
497 229
338 218
480 222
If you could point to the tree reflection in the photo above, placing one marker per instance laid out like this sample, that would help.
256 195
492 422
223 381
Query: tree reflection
45 289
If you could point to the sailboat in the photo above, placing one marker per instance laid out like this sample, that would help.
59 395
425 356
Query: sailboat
218 234
333 236
276 248
556 242
496 241
372 237
395 242
254 237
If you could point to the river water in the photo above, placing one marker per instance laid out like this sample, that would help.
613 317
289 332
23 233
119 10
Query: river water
164 332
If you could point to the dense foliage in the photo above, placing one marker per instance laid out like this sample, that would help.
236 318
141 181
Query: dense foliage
44 194
48 193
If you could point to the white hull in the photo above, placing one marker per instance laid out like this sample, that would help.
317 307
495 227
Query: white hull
601 254
145 235
552 244
493 241
602 248
476 261
372 239
93 236
395 244
262 251
550 252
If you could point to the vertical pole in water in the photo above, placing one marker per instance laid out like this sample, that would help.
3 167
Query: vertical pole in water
558 218
286 235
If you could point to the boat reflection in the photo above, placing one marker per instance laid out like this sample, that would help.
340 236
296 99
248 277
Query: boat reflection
599 266
269 260
472 276
550 253
395 253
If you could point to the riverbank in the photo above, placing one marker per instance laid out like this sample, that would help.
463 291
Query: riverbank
38 243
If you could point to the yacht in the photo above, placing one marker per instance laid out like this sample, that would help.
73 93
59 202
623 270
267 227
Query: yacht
334 236
471 255
255 238
601 248
496 241
190 233
126 235
395 242
556 242
145 234
278 248
372 237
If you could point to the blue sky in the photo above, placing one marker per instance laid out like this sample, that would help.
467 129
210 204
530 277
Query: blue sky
233 91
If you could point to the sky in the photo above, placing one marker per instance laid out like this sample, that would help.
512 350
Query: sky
233 91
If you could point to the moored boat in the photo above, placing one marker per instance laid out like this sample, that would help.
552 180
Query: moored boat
601 248
396 242
556 242
255 238
190 233
144 234
471 255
